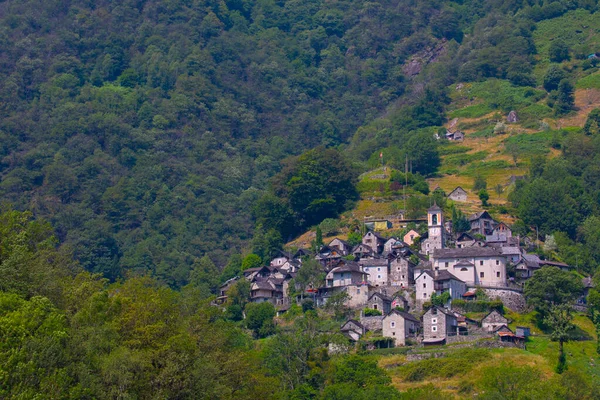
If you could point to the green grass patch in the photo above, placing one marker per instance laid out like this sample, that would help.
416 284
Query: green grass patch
474 111
502 95
531 144
452 149
535 112
589 82
458 160
484 168
486 132
453 364
578 29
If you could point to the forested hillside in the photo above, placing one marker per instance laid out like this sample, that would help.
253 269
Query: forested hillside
145 131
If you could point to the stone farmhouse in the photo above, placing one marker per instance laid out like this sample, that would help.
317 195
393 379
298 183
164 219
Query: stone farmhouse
458 194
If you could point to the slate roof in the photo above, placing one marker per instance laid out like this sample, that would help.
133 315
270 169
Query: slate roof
404 315
434 207
381 295
456 189
474 251
443 275
482 214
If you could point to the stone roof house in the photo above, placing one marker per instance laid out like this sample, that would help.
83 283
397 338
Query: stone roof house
348 273
374 240
484 266
438 323
381 302
341 246
493 321
438 282
376 269
482 223
399 325
458 194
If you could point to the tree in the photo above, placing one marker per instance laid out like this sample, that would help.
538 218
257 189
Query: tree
592 124
329 226
259 319
310 275
484 197
553 77
422 149
593 302
558 51
337 304
251 261
205 277
551 286
318 184
565 99
559 319
460 223
479 183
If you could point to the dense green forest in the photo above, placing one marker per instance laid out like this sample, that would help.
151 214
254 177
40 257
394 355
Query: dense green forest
145 131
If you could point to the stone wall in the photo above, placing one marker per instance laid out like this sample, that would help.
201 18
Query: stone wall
372 323
512 299
465 338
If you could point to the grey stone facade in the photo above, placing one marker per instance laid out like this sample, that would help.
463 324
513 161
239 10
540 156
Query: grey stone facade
401 272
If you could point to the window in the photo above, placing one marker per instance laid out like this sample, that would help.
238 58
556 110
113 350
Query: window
497 262
357 291
481 274
393 333
424 286
434 329
498 274
378 269
464 269
434 219
402 276
398 268
446 264
378 276
434 320
392 324
374 306
481 262
424 295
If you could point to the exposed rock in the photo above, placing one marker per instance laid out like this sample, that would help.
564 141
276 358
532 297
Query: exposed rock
512 117
415 65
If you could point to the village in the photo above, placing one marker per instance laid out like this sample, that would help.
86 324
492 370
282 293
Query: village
402 289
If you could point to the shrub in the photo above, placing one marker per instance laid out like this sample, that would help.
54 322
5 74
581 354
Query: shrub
370 312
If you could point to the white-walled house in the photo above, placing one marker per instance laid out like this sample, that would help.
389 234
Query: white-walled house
438 282
485 266
377 270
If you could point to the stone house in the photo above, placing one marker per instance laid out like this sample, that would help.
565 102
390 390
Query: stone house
401 272
380 302
482 223
363 251
348 273
398 300
458 194
266 290
399 325
526 266
438 323
393 244
410 237
376 270
493 321
438 282
485 266
341 246
374 240
353 330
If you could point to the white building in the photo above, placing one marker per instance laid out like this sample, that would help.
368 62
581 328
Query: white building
485 266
